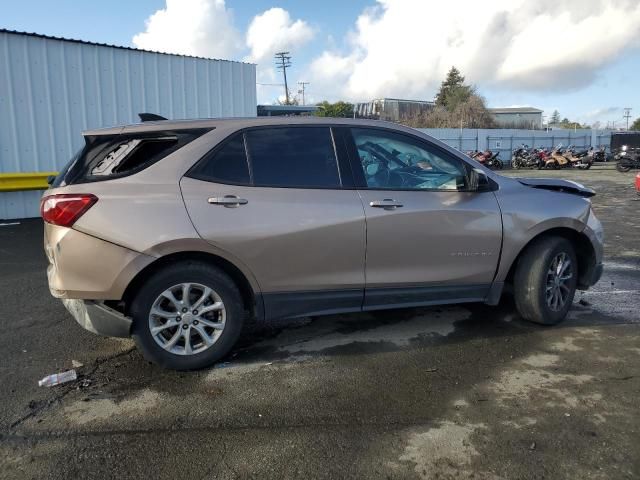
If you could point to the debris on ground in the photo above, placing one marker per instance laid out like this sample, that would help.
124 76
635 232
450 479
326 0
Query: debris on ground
584 302
222 365
76 364
430 370
58 378
532 446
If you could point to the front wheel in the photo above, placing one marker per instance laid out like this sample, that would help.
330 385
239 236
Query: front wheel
545 280
187 316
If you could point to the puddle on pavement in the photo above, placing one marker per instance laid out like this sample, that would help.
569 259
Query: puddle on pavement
82 412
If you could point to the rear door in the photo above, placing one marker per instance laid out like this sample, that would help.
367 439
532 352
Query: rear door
273 198
428 237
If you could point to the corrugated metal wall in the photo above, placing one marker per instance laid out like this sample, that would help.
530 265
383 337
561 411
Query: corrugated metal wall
51 90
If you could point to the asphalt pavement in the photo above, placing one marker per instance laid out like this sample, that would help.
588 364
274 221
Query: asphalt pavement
447 392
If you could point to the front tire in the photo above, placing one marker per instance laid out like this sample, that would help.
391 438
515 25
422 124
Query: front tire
545 280
187 316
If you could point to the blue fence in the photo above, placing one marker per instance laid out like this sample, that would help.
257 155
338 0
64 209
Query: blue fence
505 140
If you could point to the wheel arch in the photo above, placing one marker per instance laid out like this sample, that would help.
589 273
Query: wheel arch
251 298
585 253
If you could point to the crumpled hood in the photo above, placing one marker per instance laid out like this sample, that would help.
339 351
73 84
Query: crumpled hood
558 185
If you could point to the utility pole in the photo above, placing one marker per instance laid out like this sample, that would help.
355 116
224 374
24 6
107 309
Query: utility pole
302 84
627 115
283 60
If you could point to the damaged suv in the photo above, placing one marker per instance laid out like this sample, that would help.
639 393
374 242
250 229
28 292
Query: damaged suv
176 232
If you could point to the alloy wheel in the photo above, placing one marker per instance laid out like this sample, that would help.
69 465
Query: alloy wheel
558 288
187 318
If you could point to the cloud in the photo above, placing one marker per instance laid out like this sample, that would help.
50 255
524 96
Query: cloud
404 48
273 31
192 27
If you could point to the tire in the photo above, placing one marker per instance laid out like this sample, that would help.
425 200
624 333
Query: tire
198 275
623 168
532 275
498 164
516 164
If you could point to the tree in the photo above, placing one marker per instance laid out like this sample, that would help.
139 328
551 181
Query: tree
635 125
339 109
555 117
453 90
457 104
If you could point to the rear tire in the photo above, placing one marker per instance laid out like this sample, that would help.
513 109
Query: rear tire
623 167
537 293
221 324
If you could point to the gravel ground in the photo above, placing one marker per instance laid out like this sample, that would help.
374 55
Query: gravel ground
449 392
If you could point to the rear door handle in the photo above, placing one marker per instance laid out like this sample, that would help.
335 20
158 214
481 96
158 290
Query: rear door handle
387 204
230 201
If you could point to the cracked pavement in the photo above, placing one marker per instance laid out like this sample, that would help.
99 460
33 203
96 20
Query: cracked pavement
444 392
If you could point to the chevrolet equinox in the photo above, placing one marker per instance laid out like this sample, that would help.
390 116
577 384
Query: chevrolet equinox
175 232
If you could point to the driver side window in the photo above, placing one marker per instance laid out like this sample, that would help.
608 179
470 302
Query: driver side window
396 162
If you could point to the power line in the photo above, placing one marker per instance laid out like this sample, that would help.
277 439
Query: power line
283 61
627 115
302 84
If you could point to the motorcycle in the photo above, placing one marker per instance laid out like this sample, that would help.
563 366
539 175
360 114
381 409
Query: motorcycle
627 163
568 158
487 158
523 157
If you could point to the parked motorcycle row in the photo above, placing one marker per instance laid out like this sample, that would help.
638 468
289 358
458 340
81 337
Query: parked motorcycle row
625 148
556 158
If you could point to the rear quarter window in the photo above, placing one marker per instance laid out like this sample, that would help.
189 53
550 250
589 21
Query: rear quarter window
225 164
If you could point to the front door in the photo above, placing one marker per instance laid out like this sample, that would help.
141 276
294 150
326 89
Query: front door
429 239
273 198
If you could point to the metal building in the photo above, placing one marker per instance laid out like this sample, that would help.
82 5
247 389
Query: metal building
518 117
53 88
392 109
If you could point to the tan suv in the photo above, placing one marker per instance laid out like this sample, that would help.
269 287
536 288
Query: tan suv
175 232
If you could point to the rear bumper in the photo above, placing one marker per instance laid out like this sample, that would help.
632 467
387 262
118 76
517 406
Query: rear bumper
83 266
98 318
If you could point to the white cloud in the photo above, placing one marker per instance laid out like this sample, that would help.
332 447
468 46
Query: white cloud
192 27
404 47
273 31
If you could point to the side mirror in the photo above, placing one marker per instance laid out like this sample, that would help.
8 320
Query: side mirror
479 182
51 179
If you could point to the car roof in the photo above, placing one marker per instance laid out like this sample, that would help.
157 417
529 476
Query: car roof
233 123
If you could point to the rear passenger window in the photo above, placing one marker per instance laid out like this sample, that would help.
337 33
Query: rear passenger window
225 165
293 157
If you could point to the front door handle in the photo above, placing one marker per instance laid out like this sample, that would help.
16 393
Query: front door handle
229 201
387 204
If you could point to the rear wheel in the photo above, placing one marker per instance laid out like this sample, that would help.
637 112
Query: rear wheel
623 167
187 316
545 280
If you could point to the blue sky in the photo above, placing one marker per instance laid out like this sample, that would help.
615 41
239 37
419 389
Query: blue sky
591 83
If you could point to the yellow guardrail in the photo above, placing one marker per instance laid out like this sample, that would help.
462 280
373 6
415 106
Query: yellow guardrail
15 182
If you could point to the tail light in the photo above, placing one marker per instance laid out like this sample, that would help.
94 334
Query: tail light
65 209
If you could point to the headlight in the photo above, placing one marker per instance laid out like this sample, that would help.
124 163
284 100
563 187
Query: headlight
624 148
622 154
